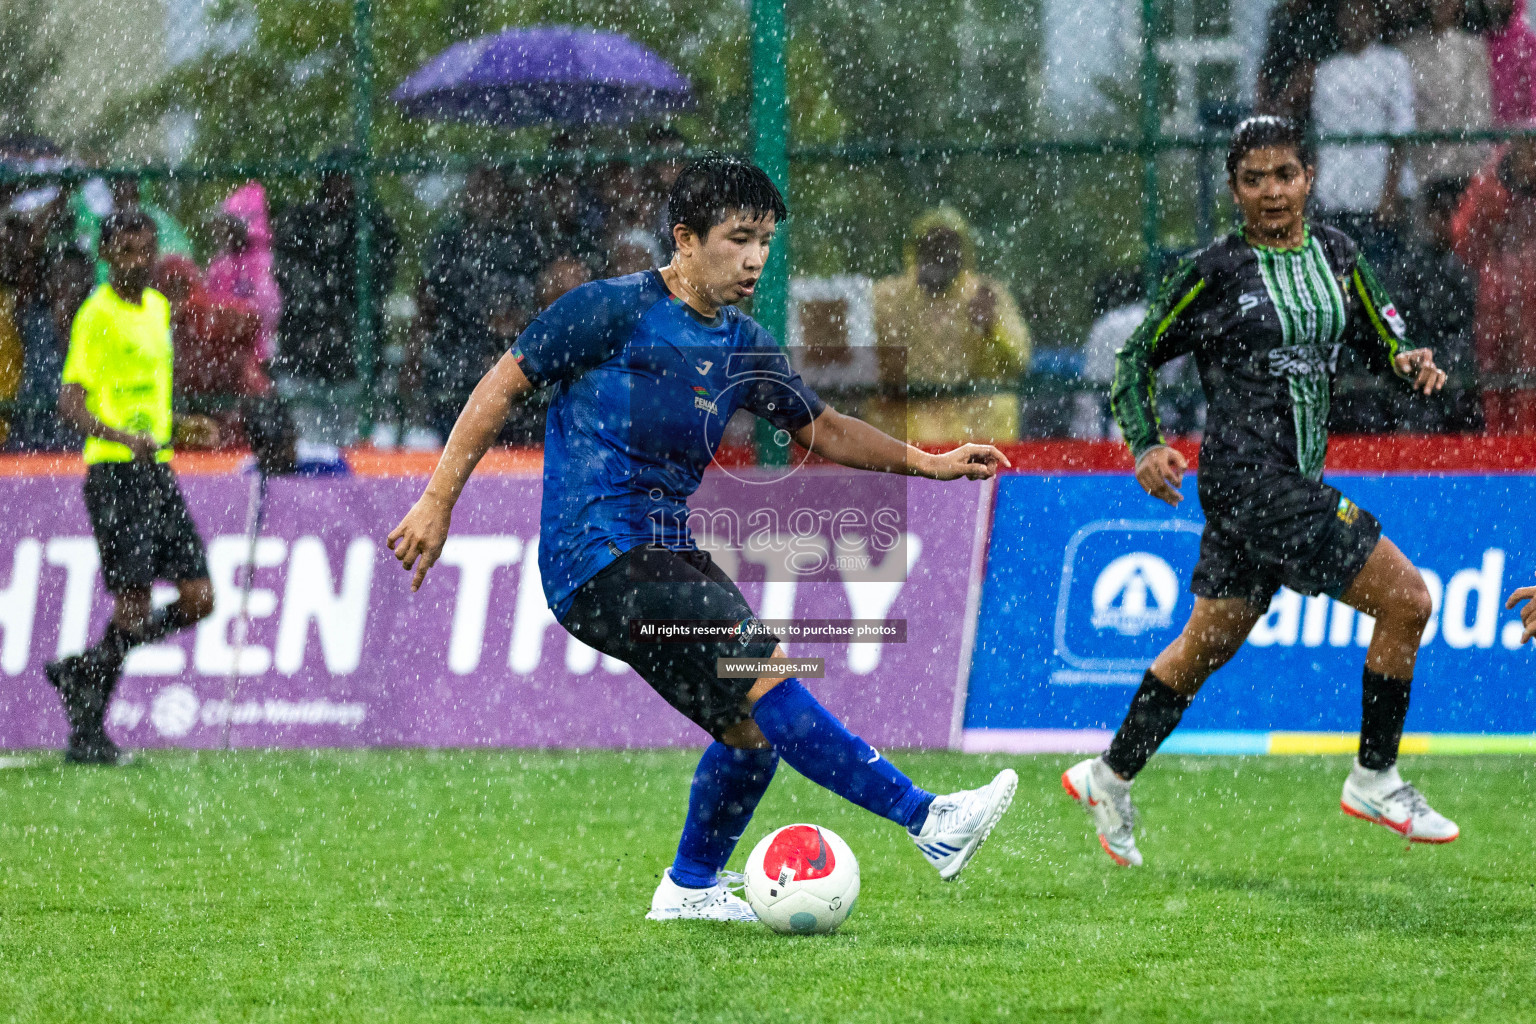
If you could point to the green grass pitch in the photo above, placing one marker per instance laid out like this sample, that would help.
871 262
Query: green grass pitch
510 886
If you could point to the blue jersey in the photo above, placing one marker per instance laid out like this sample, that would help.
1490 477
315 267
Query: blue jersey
643 390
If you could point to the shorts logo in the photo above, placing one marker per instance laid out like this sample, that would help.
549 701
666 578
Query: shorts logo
1348 511
1135 593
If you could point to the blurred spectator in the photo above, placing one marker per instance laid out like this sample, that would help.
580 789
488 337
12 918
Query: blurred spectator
241 268
95 199
570 214
1300 36
1511 61
1451 92
314 255
1495 236
46 320
942 324
215 341
632 212
563 273
1119 307
476 295
1440 304
1363 89
657 179
632 250
12 354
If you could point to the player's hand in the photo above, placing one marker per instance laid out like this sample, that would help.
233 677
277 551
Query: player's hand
143 446
1528 613
197 432
419 539
1427 377
972 461
1160 471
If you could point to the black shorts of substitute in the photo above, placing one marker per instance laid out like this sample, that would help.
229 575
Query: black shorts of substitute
1314 541
656 583
142 526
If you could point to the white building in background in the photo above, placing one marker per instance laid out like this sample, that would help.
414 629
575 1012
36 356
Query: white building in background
112 49
1092 51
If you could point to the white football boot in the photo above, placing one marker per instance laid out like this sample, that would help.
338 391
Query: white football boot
1107 799
673 902
958 823
1385 799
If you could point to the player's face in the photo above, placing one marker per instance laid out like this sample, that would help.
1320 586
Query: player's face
1270 188
728 262
130 257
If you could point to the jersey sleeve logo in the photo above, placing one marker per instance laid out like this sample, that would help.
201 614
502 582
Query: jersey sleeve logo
1394 320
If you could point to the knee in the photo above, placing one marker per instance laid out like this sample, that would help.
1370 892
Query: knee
745 735
1413 607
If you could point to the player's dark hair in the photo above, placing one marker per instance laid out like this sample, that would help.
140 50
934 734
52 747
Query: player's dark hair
713 187
1265 131
130 221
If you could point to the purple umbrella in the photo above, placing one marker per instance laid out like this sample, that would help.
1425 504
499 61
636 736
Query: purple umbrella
527 76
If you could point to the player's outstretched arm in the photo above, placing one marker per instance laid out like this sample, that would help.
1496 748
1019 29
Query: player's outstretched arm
849 441
419 538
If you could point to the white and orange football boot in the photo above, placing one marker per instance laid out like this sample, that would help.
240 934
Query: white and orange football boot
1383 798
1107 799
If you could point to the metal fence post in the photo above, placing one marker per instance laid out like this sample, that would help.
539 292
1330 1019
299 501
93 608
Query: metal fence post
1151 132
770 149
363 339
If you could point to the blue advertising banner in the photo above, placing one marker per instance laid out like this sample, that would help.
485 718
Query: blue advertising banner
1088 578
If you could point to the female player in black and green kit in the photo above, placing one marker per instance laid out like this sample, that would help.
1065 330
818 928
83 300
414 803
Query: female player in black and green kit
1265 312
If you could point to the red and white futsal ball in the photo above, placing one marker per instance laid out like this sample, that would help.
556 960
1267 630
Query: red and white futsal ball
802 880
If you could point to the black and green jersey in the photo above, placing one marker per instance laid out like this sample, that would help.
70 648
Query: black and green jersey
1265 327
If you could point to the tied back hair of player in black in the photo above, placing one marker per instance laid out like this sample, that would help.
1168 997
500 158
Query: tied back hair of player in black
129 221
712 187
1265 131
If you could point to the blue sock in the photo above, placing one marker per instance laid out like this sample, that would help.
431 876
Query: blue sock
726 788
822 749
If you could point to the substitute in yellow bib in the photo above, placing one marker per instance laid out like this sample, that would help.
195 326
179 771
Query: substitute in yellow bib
117 392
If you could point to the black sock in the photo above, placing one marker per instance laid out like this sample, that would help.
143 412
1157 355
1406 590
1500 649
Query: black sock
1155 712
112 649
1383 706
163 623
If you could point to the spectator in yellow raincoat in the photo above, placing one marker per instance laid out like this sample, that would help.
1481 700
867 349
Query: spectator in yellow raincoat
12 242
941 323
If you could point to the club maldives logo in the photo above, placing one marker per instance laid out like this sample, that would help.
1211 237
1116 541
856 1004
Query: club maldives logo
1120 596
1135 593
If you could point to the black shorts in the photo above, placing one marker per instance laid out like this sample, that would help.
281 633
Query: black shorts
1310 538
142 526
655 583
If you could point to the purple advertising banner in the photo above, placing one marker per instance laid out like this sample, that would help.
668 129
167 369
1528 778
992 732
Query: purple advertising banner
340 653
